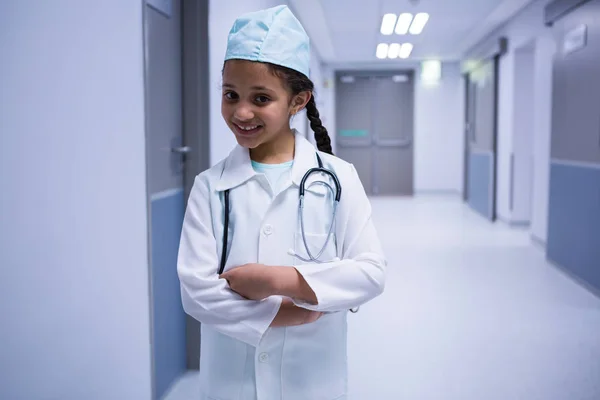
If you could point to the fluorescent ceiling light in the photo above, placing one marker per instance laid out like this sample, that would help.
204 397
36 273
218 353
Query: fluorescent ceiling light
405 50
400 78
394 50
382 50
403 24
387 24
347 79
419 23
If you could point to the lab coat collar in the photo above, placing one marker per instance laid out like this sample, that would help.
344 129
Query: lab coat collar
238 166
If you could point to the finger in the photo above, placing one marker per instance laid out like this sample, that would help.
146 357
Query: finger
225 275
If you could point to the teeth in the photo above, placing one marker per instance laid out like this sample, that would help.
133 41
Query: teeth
247 128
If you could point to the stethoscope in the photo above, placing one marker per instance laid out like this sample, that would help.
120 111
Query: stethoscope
337 193
336 201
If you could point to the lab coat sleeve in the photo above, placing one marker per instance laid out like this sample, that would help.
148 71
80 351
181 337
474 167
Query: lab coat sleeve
205 296
359 275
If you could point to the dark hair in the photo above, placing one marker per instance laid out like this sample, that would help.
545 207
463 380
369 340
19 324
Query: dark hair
297 83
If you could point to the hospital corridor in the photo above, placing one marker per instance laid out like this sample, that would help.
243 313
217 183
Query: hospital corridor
300 200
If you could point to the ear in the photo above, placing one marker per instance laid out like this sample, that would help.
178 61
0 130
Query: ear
299 102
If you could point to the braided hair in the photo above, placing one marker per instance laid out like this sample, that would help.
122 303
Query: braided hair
297 83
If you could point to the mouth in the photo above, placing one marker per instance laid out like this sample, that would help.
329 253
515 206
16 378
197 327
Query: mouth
247 130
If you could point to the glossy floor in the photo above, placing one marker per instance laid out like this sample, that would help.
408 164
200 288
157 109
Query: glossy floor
471 311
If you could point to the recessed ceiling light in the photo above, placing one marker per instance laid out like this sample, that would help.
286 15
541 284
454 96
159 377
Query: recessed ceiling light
405 50
394 50
419 23
382 50
387 24
403 23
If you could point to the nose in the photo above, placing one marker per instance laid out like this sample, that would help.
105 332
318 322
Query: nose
243 113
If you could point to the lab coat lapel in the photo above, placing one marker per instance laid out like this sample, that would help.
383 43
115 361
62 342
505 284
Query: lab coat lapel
236 170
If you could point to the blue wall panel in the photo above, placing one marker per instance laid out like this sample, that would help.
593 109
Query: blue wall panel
480 182
168 317
574 220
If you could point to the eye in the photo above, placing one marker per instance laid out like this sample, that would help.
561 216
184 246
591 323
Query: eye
262 99
230 95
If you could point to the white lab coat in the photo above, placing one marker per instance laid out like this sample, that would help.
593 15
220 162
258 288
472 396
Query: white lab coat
242 358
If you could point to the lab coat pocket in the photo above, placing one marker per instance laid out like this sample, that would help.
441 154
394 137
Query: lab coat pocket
314 242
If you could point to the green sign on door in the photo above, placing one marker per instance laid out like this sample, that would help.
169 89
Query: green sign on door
353 133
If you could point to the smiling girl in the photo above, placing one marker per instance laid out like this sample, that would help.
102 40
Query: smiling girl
274 316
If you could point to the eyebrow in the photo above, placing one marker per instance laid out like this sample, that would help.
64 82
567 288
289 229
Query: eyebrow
263 88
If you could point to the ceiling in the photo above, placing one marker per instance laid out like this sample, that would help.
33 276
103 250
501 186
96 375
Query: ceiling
346 32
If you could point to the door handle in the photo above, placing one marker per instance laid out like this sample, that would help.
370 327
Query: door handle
353 144
181 150
404 142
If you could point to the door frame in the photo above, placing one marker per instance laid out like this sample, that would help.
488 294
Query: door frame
466 132
493 57
496 61
196 121
144 5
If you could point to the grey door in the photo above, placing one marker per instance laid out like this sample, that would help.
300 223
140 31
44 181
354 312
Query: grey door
481 138
165 154
574 201
374 118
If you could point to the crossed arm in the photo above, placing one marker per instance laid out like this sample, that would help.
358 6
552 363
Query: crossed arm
258 282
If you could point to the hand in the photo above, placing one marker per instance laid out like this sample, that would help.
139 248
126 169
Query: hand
252 281
291 315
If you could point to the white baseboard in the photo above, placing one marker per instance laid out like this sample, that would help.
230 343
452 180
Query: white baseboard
514 223
538 242
441 192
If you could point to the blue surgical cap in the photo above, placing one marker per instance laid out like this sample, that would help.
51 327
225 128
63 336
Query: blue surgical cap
273 35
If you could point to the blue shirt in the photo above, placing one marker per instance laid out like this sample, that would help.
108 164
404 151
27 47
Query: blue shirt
275 173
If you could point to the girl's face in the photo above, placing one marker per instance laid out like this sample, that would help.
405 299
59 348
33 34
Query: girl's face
255 104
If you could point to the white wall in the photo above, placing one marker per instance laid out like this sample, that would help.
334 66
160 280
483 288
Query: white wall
506 106
523 134
73 247
222 16
544 52
525 27
439 135
327 95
